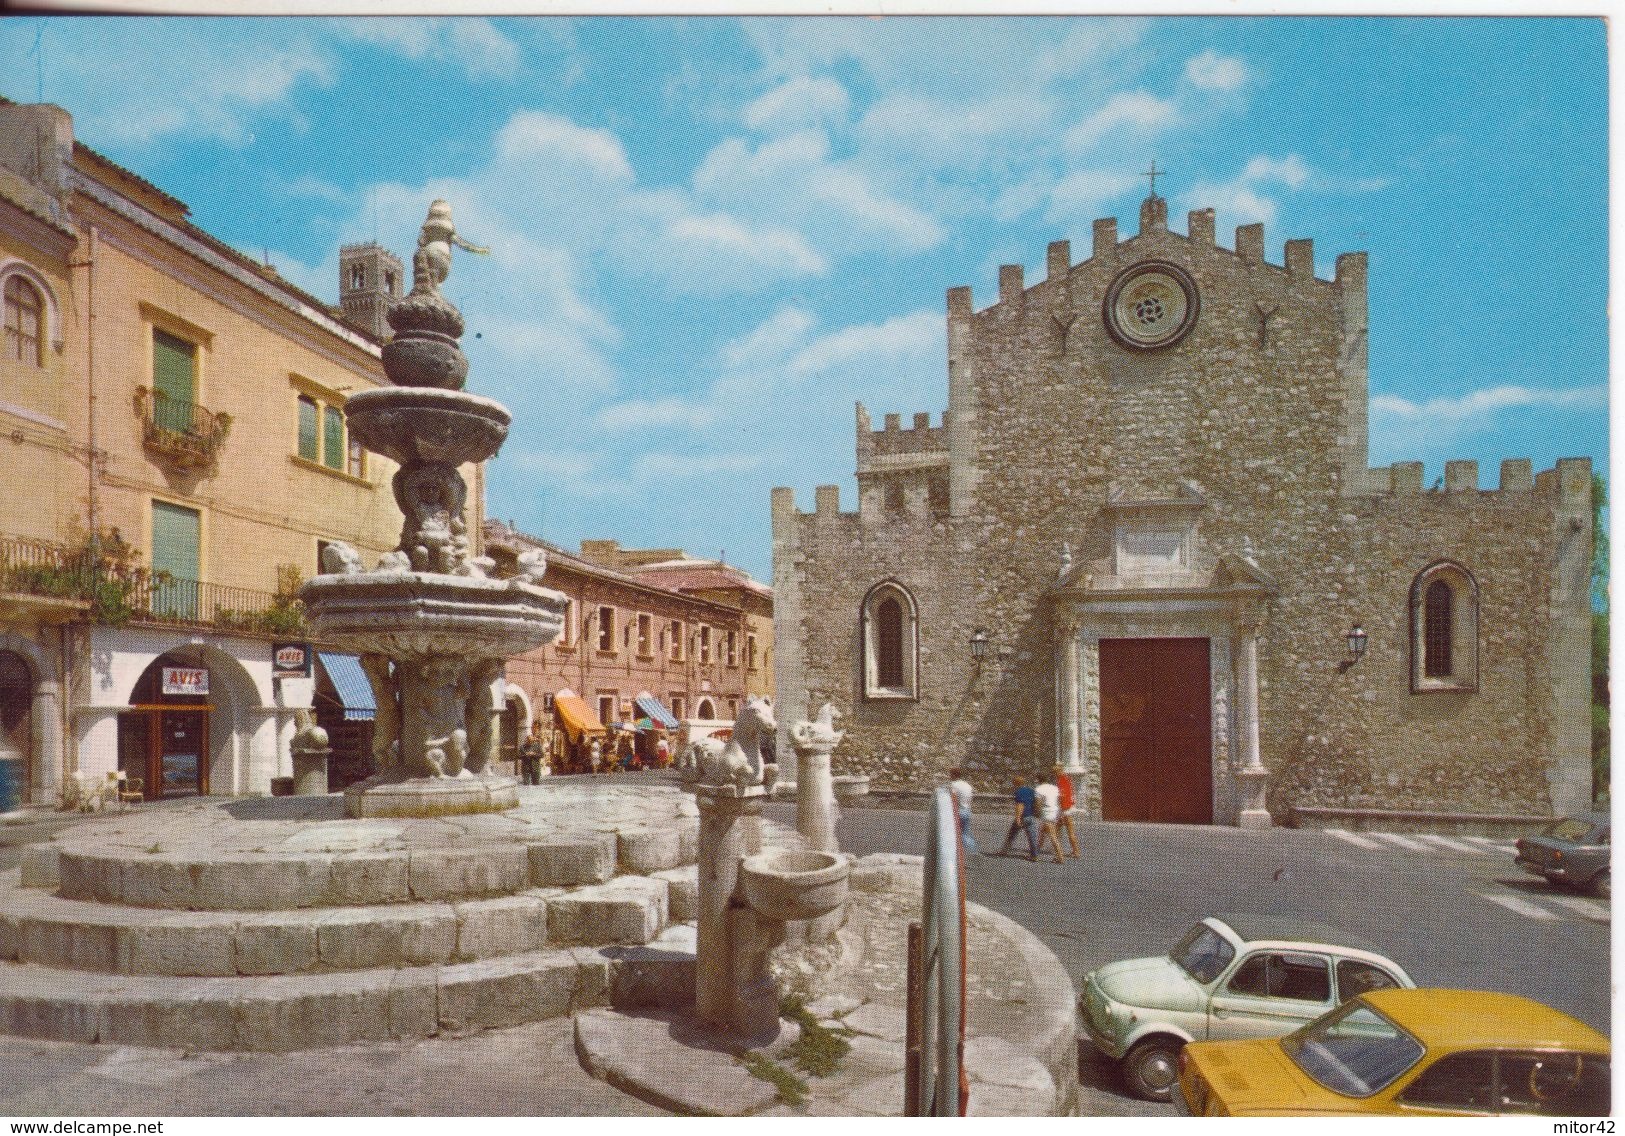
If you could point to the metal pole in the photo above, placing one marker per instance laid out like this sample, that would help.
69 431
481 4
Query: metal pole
914 1026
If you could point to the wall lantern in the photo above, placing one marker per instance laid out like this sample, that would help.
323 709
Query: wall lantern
978 644
1356 637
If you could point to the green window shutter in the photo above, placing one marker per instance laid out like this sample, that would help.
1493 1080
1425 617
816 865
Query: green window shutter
175 542
308 448
333 447
174 377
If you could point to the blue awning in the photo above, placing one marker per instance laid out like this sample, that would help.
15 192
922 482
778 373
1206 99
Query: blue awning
350 681
658 714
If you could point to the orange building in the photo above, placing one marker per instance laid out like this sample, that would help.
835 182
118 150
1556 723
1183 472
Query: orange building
629 640
173 434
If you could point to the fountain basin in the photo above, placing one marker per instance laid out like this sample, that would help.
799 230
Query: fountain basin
427 424
794 885
421 615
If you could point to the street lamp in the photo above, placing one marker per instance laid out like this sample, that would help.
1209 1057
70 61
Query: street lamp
978 644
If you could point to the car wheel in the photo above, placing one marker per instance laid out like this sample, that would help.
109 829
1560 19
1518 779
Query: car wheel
1603 884
1152 1068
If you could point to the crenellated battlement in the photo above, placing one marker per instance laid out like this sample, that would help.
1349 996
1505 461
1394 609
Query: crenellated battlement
1570 477
894 440
1201 224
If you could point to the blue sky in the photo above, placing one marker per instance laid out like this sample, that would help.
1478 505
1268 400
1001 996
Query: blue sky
710 236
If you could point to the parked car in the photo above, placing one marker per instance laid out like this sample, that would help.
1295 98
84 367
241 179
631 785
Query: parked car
1408 1053
1574 850
1231 976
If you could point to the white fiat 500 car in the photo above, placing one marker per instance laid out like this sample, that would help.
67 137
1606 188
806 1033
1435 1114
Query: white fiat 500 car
1230 977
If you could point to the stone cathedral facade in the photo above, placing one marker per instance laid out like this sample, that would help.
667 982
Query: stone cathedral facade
1150 496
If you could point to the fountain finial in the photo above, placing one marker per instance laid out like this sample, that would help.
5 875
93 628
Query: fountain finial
431 264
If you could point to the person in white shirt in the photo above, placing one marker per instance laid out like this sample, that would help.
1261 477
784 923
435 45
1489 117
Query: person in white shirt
961 791
1049 816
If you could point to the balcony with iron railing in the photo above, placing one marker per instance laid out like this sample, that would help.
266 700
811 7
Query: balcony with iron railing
103 586
182 432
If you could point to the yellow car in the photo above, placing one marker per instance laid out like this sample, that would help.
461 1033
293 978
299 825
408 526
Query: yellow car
1407 1053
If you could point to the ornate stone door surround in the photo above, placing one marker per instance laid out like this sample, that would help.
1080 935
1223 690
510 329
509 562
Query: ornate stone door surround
1228 609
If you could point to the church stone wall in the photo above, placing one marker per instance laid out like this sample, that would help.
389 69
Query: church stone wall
1261 410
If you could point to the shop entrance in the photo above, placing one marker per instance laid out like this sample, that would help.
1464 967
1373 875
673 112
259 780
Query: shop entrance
164 737
1156 738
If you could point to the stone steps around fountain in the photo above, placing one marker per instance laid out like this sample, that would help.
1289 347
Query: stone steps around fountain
288 1012
282 879
48 930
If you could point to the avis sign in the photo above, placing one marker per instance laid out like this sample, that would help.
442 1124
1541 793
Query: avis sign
290 660
186 680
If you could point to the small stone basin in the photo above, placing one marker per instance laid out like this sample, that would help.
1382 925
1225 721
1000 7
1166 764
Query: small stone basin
850 785
785 884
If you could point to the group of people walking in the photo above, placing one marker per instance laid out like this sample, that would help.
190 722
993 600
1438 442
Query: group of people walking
547 749
1042 812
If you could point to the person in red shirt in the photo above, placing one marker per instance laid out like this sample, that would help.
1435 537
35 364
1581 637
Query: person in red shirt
1064 783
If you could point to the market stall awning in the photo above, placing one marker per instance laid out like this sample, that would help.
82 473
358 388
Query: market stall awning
350 682
658 714
576 716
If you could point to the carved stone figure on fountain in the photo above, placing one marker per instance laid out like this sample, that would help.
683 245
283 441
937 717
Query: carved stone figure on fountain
739 763
479 717
431 264
339 557
386 723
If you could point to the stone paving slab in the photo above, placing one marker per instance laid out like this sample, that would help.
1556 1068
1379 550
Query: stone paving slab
661 1059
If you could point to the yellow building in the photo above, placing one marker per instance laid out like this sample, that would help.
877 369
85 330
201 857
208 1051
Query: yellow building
173 438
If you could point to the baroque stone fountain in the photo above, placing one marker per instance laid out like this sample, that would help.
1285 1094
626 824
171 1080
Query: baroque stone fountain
431 627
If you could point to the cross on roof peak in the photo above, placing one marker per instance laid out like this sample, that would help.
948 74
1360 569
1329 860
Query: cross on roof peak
1153 173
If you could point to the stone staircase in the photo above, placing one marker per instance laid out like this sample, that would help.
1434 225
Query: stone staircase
290 947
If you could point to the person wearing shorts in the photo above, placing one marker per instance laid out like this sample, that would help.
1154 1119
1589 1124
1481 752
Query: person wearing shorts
1068 808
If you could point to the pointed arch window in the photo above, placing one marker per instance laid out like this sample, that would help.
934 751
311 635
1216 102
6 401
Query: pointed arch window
889 626
1444 629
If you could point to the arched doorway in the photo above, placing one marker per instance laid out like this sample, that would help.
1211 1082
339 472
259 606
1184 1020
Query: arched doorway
706 710
16 721
164 737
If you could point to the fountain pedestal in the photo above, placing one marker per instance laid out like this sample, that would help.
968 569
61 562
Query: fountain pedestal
733 991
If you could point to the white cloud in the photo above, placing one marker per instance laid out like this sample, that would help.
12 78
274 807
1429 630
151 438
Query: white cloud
719 249
1084 193
801 102
1289 171
475 45
532 136
1405 427
1247 198
659 466
1139 111
792 180
771 341
953 59
1211 71
1480 405
1234 202
656 414
555 464
906 335
938 133
227 84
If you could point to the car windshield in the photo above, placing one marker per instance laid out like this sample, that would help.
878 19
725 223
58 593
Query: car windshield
1353 1050
1571 829
1203 953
